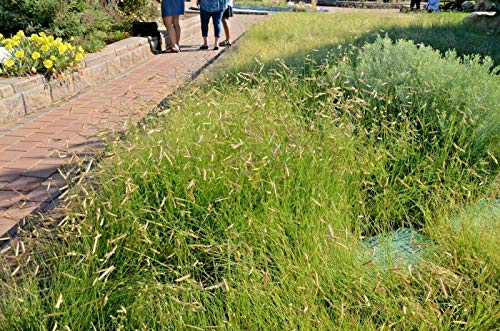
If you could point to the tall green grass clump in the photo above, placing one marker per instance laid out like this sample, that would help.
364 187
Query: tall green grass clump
433 122
245 204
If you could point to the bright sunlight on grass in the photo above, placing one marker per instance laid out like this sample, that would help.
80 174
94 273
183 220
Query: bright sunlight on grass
246 203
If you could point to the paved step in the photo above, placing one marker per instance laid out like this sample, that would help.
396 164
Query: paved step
189 28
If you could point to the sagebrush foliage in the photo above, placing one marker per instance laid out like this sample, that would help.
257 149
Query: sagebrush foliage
430 117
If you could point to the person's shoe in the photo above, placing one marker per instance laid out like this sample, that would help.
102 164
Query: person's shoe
203 47
225 43
172 50
216 48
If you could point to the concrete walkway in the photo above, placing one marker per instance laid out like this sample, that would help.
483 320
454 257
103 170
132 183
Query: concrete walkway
32 151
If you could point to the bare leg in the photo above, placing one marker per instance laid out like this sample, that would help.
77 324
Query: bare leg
205 41
171 31
227 28
175 22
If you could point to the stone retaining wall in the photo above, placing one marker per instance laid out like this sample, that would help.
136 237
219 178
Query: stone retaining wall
22 96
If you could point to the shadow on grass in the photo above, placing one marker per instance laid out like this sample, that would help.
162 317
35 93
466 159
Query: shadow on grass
465 39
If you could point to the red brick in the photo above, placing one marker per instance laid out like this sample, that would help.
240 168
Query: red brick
56 161
64 121
35 125
22 163
41 171
63 135
43 193
8 139
17 213
21 146
24 184
51 129
6 224
38 137
54 143
57 181
77 127
39 152
10 155
21 132
9 198
8 175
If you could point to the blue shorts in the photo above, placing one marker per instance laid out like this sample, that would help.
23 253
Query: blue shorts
172 8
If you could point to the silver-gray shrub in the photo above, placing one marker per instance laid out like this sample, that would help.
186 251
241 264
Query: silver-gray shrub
435 120
403 79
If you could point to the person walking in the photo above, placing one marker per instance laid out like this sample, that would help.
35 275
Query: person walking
211 9
227 25
432 6
415 3
170 13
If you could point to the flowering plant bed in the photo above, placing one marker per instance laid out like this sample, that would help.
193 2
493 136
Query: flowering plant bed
38 53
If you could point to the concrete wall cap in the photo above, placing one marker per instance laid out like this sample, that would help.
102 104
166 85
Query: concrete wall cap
23 83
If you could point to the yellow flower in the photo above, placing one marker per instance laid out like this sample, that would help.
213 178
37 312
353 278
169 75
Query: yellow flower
52 57
42 34
80 49
20 33
71 64
70 38
47 64
62 49
79 57
33 70
19 54
7 41
15 42
8 47
16 38
69 46
9 63
45 48
1 36
35 55
51 38
54 43
35 38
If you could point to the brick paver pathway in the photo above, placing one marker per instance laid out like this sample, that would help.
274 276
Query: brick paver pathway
32 151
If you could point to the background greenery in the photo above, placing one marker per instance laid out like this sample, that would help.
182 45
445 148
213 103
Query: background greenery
245 203
93 23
